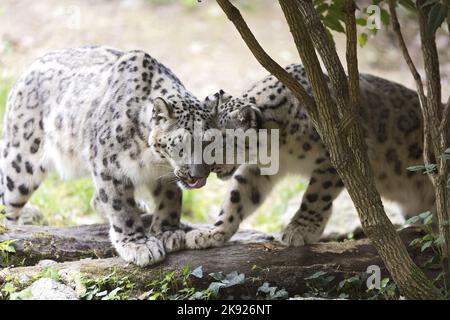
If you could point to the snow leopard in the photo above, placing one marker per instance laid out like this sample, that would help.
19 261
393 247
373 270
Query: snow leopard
117 116
392 124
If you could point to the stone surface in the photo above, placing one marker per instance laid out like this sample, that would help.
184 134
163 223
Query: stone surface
49 289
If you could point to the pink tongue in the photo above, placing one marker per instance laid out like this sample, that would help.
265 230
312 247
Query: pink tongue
198 184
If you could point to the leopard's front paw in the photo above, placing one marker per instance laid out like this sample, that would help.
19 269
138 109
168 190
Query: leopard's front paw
31 215
292 236
173 240
295 235
28 215
142 252
206 238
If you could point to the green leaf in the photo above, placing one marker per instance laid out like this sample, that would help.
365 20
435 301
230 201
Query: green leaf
316 275
51 273
102 294
22 295
214 287
198 272
219 276
415 242
280 294
413 220
426 245
234 278
320 9
361 22
155 296
416 168
439 241
427 237
385 17
428 220
264 288
362 39
437 15
408 4
333 23
113 294
384 282
425 215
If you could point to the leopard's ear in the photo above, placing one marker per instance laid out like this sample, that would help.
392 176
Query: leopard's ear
246 117
213 101
162 109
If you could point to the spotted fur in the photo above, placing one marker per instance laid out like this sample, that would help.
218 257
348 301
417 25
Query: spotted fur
116 116
392 123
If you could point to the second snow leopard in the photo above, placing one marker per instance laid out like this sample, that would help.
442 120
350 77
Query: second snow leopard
117 116
392 122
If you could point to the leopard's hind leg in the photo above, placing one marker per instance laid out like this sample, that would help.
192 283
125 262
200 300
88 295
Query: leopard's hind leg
21 168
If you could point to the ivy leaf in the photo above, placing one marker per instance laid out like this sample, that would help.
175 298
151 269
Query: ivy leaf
22 295
264 288
413 220
426 245
316 275
425 215
234 278
198 272
437 15
219 276
214 287
280 294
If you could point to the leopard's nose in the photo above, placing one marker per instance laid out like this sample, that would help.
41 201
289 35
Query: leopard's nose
198 171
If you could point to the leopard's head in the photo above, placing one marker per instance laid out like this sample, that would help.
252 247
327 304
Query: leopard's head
176 128
232 113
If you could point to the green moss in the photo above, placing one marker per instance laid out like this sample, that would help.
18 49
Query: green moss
41 234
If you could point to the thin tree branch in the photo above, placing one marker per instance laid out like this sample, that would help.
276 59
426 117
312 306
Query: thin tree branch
428 158
445 117
264 59
401 41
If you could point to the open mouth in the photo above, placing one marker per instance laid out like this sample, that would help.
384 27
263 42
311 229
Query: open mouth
196 184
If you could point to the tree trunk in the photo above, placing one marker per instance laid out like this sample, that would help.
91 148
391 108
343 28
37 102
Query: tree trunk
329 118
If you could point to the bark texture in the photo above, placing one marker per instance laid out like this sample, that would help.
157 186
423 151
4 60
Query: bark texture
436 118
280 266
347 151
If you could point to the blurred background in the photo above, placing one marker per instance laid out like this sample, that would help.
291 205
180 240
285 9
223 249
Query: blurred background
202 47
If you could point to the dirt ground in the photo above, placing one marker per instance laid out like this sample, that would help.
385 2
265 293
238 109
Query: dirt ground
198 43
